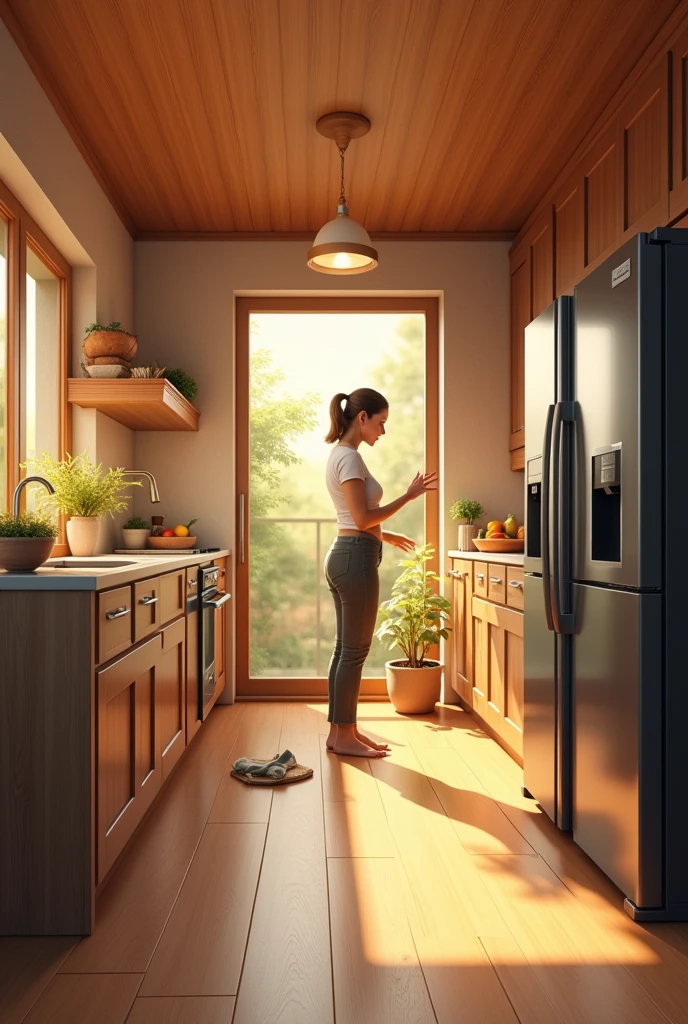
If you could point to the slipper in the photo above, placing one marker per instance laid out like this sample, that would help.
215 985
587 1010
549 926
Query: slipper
296 773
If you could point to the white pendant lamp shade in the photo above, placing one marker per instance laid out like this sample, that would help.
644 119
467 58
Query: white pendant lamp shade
342 246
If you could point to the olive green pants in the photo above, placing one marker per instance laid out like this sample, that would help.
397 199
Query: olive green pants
351 569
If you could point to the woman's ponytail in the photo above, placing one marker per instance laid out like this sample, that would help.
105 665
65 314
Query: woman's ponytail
338 421
361 400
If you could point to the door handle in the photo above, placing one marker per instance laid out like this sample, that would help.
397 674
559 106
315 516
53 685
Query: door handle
480 576
457 575
516 583
117 614
242 528
148 600
217 604
544 516
563 621
495 579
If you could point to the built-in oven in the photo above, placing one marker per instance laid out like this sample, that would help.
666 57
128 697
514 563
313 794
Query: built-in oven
210 599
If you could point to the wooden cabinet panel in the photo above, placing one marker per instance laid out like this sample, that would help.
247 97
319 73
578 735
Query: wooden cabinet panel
146 608
171 695
172 595
603 194
520 318
461 636
480 579
678 200
193 722
498 670
114 622
644 126
569 247
512 728
480 642
129 761
221 631
496 588
514 587
542 264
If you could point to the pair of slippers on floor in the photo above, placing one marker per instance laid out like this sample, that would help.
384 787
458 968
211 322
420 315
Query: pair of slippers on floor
275 769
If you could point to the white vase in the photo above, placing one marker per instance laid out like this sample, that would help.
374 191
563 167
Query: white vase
466 535
414 691
82 534
135 538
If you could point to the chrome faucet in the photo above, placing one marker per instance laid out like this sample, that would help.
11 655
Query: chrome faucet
22 484
154 495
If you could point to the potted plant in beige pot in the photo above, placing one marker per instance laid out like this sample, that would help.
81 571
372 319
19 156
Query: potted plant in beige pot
469 511
413 621
84 493
26 541
136 532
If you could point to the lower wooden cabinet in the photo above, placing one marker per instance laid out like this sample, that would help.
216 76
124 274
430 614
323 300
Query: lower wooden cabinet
171 695
487 646
129 756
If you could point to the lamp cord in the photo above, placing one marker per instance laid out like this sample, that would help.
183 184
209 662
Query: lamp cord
342 200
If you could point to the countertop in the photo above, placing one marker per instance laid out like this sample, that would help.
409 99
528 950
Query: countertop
90 578
506 558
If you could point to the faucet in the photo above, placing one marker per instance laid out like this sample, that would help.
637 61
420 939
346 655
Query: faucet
22 484
154 495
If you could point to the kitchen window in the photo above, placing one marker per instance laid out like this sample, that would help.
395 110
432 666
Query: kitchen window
35 294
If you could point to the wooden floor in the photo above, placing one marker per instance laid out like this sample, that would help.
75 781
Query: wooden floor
416 889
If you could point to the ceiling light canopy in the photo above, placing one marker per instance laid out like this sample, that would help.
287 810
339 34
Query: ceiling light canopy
342 246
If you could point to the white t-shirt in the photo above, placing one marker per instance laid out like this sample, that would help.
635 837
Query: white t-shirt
346 464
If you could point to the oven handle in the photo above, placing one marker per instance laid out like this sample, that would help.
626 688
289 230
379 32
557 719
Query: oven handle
216 604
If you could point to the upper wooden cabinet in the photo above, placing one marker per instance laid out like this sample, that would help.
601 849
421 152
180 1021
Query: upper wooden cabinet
678 201
643 126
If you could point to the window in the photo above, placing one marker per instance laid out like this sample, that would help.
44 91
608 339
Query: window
35 290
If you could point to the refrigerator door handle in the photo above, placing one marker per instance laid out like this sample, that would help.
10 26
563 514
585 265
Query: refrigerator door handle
563 621
544 516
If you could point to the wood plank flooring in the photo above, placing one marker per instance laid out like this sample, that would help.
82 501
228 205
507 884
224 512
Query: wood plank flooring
416 889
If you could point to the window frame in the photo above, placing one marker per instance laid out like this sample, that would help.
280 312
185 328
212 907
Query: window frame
22 231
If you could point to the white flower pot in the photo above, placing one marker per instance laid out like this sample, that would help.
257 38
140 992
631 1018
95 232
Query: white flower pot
466 535
135 538
414 691
82 534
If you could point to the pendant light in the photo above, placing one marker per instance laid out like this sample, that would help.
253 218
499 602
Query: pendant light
342 246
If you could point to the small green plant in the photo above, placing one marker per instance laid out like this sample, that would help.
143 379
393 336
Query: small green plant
82 489
414 617
114 325
136 523
468 510
185 384
27 524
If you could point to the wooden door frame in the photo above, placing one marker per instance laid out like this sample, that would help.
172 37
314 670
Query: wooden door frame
312 688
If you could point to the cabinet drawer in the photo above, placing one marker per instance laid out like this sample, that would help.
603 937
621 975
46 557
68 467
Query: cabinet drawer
461 569
480 578
158 601
514 588
114 622
496 590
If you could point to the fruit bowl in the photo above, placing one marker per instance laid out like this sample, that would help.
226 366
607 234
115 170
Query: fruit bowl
171 542
499 544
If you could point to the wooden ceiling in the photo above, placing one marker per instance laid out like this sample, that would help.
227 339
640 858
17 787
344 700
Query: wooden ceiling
199 115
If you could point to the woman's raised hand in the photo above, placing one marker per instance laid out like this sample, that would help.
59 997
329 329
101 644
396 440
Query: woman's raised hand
422 482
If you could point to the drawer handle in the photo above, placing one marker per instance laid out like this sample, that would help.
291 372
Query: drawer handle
148 600
495 579
480 576
193 583
516 583
117 614
457 575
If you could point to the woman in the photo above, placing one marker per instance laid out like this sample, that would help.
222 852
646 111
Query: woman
351 566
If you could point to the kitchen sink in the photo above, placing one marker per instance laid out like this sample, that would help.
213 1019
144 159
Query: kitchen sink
90 564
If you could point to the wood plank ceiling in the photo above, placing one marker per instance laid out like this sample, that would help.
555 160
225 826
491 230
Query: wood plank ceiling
199 115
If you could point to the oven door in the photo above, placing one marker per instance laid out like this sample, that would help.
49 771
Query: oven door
206 648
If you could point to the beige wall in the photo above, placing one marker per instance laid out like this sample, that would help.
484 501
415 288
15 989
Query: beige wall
42 166
184 315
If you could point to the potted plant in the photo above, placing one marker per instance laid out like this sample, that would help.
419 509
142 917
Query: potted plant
26 541
413 621
469 511
85 494
183 382
109 349
136 532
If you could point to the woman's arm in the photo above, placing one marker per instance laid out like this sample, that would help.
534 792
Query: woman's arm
364 517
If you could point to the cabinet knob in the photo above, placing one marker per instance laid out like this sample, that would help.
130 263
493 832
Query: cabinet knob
516 583
480 576
118 613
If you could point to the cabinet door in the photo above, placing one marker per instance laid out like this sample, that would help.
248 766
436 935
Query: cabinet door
221 631
129 763
520 318
498 670
644 142
461 645
114 622
171 695
193 722
679 68
146 608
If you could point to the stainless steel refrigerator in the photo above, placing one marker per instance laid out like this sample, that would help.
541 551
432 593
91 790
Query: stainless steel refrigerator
606 636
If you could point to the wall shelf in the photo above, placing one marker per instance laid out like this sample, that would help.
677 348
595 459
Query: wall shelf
138 403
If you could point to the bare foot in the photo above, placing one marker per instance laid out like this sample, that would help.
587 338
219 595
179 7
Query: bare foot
331 740
352 747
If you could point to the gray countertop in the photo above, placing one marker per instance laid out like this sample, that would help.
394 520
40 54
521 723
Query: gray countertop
506 558
101 578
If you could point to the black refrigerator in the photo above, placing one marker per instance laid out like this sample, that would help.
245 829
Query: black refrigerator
606 633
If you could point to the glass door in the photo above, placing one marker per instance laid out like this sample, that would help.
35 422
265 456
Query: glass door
291 361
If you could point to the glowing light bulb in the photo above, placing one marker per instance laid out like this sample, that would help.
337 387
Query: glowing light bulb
342 261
